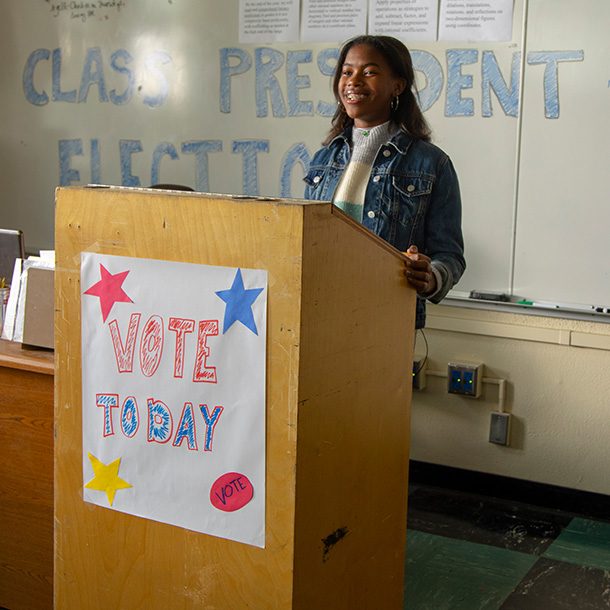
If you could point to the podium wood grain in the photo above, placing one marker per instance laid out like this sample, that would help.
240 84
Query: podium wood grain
339 353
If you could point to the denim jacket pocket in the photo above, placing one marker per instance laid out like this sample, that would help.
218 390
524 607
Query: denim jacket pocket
405 205
412 193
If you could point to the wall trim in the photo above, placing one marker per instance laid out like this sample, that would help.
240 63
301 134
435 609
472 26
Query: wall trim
577 502
570 333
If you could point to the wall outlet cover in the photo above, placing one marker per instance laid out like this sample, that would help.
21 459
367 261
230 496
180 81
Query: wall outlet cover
499 428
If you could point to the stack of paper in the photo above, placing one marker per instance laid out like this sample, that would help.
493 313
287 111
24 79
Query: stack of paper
12 329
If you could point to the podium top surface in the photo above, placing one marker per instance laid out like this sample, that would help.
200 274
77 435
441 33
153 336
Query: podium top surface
196 194
280 201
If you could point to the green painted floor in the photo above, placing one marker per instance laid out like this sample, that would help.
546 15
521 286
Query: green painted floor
446 573
583 542
467 552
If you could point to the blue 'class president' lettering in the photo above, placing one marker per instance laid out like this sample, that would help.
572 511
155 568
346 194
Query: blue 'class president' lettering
269 62
44 66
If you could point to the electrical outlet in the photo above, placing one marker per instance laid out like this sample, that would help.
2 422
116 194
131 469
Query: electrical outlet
499 428
465 379
419 374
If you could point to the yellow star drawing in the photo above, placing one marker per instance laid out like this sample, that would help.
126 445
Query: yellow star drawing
106 477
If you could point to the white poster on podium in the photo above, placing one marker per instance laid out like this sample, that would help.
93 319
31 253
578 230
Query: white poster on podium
173 361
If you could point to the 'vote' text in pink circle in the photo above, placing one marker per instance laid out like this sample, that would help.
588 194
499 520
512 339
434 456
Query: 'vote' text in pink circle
231 491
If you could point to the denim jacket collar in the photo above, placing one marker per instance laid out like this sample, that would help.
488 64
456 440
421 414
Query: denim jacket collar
401 140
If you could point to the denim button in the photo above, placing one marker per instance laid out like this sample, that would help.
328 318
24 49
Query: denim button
376 178
387 153
316 179
370 214
411 188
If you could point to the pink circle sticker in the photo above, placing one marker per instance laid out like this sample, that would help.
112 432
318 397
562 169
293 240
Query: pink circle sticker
231 492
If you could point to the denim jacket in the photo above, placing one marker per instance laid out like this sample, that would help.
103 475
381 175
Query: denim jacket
412 198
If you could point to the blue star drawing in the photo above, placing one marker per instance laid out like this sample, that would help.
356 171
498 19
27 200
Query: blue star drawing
239 302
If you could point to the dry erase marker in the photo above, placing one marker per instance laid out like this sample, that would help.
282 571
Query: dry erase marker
566 306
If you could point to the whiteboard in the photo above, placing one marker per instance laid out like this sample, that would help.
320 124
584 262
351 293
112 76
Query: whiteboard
563 221
140 92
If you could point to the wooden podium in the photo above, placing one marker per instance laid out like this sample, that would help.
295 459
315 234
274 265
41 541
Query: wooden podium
340 332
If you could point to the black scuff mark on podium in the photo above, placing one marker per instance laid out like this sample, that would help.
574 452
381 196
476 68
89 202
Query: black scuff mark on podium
332 539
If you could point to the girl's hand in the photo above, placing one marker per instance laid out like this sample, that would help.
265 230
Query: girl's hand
418 271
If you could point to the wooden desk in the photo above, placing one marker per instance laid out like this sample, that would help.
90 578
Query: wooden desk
26 477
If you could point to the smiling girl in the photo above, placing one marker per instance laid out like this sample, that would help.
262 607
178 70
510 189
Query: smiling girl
377 164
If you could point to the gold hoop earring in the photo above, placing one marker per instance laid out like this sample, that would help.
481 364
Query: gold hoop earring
394 104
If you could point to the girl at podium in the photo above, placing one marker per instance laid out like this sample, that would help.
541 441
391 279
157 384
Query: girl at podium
377 164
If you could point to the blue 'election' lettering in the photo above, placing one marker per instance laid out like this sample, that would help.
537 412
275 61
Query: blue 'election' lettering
201 148
249 150
127 149
67 149
297 153
165 149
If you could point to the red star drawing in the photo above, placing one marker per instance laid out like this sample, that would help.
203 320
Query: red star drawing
109 290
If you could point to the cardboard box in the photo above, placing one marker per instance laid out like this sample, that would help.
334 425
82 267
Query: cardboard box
38 313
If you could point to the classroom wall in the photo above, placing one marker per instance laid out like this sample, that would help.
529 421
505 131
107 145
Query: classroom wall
558 392
124 94
134 93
